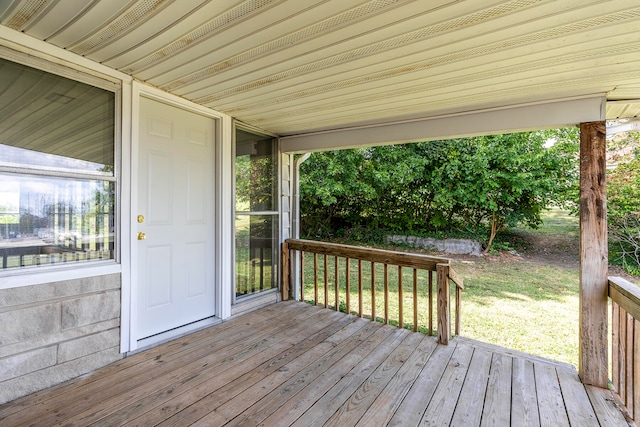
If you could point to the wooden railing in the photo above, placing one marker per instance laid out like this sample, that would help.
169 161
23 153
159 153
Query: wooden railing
375 262
625 351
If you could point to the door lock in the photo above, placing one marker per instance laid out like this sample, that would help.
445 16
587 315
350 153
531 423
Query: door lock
141 235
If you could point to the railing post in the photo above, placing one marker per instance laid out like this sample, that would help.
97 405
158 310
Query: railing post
285 271
444 319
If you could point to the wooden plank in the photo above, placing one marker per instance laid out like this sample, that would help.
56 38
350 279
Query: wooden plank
443 403
200 376
579 409
550 401
468 411
606 407
336 347
443 307
389 400
355 394
313 390
413 406
593 358
524 403
497 403
228 401
405 259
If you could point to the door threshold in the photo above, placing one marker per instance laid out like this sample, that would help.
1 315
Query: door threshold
175 333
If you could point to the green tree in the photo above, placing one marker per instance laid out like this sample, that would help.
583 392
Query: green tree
454 184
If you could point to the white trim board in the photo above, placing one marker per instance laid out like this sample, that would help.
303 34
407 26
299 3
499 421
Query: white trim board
519 118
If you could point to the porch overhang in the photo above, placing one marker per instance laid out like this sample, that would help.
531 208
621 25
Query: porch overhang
303 67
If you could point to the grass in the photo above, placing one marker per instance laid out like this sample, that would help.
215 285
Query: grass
526 307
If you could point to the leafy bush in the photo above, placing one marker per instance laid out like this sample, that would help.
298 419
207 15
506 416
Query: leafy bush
453 186
623 206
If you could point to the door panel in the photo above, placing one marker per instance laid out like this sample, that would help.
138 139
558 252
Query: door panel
176 198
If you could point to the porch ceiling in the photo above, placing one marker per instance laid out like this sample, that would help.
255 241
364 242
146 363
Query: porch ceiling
293 67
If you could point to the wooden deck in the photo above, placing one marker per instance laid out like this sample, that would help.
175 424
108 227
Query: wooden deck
294 364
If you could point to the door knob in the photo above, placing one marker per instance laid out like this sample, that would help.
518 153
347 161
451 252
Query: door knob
141 235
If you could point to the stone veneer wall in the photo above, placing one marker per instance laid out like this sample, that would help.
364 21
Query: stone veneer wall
54 332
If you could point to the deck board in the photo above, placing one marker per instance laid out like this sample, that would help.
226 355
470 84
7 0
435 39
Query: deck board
294 364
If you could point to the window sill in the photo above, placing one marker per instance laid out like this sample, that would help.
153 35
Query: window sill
30 277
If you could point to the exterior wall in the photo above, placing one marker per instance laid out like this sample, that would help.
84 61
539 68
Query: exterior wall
57 331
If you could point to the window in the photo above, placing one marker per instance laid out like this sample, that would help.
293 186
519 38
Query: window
57 170
256 221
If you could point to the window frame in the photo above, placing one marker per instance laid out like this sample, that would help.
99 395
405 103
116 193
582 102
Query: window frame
275 212
16 277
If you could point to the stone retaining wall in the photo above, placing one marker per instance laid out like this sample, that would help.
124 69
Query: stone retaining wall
452 246
53 332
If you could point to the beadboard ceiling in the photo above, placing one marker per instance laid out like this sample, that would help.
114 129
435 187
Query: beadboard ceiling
297 66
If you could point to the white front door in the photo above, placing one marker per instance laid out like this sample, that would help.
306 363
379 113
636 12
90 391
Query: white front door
175 283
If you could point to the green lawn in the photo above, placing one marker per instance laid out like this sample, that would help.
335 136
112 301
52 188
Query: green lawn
526 307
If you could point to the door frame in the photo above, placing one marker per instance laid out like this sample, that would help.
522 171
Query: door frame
223 219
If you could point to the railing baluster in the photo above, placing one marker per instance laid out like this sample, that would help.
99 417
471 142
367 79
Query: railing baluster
430 296
400 313
629 360
360 287
315 278
415 300
386 294
458 309
336 285
347 278
326 282
285 272
301 276
615 338
373 291
622 391
636 370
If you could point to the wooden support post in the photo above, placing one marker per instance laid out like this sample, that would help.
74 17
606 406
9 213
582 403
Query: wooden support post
444 319
285 271
593 255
